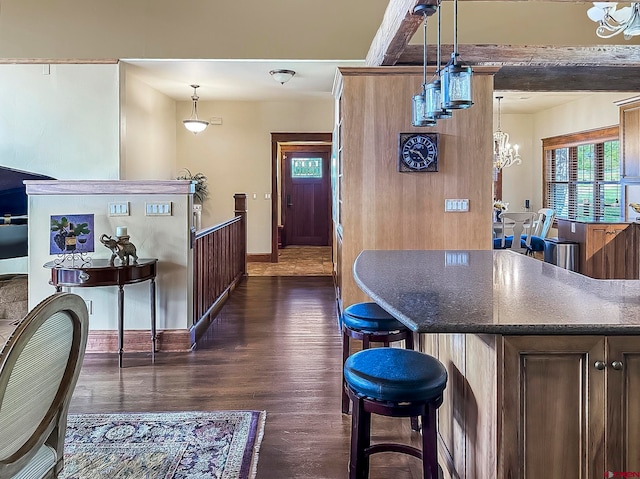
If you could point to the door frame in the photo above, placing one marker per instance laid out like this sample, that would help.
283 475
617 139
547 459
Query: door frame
276 139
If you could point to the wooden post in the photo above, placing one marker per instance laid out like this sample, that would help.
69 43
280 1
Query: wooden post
241 210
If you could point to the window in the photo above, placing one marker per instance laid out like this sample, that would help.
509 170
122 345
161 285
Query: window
306 167
582 175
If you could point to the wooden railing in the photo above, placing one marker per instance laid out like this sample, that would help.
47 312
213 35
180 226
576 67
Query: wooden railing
219 263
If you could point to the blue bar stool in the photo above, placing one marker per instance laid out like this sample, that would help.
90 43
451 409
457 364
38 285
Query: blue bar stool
399 383
368 322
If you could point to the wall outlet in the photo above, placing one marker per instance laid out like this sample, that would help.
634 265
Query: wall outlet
89 304
158 209
119 209
573 227
267 196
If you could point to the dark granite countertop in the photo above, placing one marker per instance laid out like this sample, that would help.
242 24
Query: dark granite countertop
499 292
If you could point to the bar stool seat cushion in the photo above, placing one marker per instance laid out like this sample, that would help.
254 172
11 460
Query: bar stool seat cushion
395 375
370 317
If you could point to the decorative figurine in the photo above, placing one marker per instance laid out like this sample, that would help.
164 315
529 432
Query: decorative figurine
120 247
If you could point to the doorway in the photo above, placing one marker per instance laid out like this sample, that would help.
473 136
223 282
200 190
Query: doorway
305 201
301 185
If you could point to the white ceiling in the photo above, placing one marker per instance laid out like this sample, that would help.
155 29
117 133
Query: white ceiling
238 80
249 80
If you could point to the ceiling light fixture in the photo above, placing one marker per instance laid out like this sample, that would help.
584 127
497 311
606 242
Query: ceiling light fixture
282 76
612 21
456 76
193 124
419 116
503 154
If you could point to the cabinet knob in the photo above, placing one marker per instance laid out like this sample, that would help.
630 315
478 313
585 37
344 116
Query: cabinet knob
599 365
617 365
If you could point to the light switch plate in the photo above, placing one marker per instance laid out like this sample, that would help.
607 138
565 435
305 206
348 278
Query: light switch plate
158 208
456 205
119 209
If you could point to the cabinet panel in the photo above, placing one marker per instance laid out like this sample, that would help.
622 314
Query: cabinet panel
623 413
630 139
607 250
553 421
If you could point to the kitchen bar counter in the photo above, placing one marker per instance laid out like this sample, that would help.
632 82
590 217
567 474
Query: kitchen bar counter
544 363
498 292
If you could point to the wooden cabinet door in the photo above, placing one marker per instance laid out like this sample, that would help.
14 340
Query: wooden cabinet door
630 138
553 407
610 252
623 407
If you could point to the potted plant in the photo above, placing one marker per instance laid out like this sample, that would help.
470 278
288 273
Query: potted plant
201 192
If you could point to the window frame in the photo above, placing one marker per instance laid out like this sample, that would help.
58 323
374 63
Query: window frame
596 138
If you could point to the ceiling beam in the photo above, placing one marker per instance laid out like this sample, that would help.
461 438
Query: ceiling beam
510 55
397 27
566 78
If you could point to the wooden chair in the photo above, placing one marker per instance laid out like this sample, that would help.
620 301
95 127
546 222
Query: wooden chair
519 223
39 368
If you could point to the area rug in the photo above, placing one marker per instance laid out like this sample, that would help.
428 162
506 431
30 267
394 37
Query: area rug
169 445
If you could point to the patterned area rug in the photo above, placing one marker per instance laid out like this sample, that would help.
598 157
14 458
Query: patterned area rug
170 445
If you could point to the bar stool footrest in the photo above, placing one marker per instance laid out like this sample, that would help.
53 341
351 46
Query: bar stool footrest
393 447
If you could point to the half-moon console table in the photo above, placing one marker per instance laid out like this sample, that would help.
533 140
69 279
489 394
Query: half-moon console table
102 273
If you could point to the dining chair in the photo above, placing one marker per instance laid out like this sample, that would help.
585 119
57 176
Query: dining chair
39 368
541 229
519 223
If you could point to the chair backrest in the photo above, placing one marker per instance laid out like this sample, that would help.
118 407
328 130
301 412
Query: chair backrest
520 223
545 220
39 368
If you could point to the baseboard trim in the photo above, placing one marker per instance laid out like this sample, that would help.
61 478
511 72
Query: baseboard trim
139 341
259 258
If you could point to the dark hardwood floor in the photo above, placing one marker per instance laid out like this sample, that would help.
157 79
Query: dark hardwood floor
275 346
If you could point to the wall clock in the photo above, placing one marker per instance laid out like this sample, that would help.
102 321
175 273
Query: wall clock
418 152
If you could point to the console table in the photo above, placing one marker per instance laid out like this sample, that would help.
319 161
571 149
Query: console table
102 273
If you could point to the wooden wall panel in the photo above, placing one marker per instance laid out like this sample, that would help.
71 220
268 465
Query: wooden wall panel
385 209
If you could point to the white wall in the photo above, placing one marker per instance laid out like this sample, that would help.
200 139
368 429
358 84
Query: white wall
236 156
64 124
524 181
148 132
162 237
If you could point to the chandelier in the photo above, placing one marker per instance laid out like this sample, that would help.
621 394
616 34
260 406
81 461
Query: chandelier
612 21
504 155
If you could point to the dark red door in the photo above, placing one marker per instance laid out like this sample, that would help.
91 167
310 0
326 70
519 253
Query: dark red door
306 200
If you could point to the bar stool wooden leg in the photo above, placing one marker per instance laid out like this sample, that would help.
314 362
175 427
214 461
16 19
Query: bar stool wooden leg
361 440
429 444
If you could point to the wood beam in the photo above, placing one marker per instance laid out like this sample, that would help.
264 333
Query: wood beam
525 55
566 78
397 27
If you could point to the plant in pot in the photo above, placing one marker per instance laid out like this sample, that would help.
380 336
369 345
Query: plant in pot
201 192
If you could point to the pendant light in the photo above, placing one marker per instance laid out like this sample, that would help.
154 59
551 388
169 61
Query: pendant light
419 116
193 124
434 89
456 77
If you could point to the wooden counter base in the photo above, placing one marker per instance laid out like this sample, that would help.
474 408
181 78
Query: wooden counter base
526 407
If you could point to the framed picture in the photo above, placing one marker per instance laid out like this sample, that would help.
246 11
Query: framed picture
71 234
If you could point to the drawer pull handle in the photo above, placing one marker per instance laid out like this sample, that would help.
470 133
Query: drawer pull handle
84 276
599 365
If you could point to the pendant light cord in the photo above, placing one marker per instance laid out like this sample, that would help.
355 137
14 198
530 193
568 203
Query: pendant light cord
455 30
424 52
439 60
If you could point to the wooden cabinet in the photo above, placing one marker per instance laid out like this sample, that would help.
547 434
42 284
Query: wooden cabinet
531 407
630 138
607 250
569 406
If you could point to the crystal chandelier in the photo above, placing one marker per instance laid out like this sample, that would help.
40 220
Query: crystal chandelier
504 155
612 21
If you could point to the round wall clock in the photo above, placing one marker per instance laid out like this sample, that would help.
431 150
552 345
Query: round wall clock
418 152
